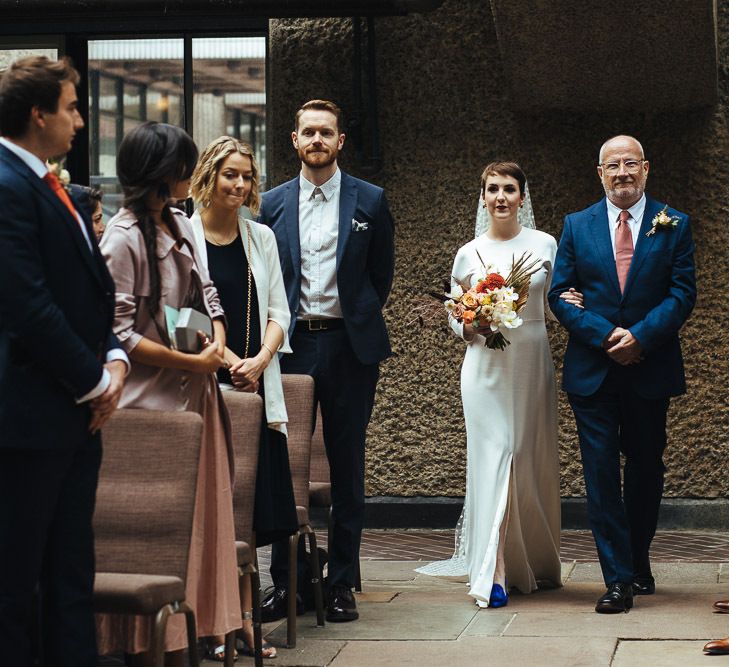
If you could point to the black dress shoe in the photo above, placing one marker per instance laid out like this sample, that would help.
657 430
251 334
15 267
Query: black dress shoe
341 607
274 605
644 585
617 598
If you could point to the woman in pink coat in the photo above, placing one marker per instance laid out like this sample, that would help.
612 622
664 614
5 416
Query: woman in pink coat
150 251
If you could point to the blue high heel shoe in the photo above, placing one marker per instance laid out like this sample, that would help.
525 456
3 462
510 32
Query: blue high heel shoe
499 597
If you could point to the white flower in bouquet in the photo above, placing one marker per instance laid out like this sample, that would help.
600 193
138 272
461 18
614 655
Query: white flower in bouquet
511 320
508 294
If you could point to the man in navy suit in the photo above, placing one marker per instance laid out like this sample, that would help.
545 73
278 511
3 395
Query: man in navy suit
335 241
632 259
63 374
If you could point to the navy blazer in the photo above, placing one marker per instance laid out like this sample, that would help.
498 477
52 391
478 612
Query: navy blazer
660 293
56 314
365 258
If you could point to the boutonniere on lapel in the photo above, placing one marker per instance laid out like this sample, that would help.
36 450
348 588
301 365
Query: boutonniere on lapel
62 174
358 226
662 220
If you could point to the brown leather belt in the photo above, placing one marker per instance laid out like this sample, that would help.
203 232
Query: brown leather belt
312 326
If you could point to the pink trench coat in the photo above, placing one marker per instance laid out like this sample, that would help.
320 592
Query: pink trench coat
212 579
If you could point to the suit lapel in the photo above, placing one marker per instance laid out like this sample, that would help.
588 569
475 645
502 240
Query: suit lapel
65 215
643 243
347 208
600 229
291 220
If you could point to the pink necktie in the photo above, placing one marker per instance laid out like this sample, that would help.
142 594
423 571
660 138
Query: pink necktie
623 248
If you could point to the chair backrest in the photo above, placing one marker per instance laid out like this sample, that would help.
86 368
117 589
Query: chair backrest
319 468
299 397
246 413
146 494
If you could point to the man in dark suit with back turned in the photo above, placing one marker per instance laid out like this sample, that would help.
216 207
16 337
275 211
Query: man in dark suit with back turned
632 258
62 378
335 243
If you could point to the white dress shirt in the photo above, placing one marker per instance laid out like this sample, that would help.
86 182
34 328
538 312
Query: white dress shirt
634 221
318 233
39 168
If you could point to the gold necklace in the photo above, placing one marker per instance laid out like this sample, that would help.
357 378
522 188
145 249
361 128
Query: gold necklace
216 241
250 281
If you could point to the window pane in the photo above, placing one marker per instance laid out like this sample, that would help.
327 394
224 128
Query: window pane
130 80
229 76
8 56
133 101
130 124
174 111
108 87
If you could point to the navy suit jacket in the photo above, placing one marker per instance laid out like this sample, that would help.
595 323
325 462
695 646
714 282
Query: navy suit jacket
660 293
56 314
365 258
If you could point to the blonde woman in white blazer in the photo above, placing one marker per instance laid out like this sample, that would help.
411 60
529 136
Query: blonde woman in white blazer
242 258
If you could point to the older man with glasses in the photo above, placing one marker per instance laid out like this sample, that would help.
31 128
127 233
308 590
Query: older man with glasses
631 260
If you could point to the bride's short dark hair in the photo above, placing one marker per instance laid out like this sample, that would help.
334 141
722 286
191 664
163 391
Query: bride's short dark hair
504 169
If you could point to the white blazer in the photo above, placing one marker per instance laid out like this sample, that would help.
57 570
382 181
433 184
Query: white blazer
272 304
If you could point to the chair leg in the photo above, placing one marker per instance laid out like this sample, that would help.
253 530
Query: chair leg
291 622
158 635
257 633
193 657
316 578
229 649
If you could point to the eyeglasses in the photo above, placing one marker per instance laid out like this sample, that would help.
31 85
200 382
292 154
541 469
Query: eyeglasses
631 166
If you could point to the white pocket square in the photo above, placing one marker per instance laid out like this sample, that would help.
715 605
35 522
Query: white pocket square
358 226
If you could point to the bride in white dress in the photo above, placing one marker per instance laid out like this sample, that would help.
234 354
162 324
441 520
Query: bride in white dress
509 528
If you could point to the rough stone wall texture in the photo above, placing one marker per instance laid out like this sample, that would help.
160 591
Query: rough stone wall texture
557 47
445 111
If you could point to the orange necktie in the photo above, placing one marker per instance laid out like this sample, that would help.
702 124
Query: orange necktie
61 193
623 248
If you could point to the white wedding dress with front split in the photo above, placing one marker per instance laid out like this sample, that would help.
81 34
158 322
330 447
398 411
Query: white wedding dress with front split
510 408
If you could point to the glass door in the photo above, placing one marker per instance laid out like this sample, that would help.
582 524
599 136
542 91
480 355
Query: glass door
135 80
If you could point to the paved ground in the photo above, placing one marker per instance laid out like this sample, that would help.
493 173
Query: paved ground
411 619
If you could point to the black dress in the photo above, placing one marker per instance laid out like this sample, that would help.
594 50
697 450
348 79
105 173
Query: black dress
275 509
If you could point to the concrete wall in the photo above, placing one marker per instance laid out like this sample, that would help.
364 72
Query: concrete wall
445 111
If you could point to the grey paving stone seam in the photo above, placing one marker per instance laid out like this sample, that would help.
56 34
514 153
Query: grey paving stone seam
337 653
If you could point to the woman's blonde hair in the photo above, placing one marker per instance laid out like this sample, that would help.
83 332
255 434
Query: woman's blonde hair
208 167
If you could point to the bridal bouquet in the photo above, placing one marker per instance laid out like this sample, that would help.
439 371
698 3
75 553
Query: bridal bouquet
494 302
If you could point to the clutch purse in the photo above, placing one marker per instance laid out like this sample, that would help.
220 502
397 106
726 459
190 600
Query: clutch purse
182 328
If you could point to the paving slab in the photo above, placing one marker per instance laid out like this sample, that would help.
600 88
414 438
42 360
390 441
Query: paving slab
379 570
376 596
581 597
434 620
478 651
686 573
636 624
308 653
664 573
663 653
430 586
489 623
567 568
